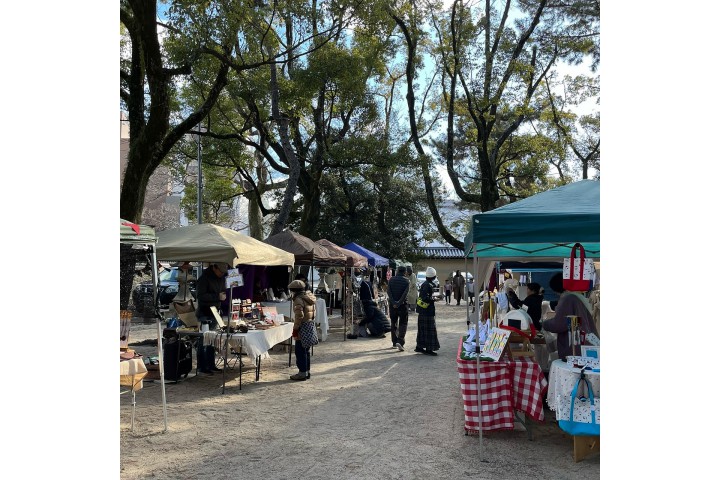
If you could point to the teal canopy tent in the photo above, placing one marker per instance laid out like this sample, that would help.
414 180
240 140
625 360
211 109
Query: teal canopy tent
541 228
544 226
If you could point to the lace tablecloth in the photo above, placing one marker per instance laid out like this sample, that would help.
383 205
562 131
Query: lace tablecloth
562 381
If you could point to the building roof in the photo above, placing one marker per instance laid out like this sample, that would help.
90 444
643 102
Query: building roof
442 252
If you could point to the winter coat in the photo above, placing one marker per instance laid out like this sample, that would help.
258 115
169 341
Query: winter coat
303 308
570 303
209 287
426 291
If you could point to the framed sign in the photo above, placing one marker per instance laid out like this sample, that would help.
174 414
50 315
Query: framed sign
234 278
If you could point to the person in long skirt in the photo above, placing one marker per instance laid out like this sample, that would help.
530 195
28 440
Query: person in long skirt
427 340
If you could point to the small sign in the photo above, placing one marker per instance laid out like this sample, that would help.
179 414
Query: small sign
495 344
234 278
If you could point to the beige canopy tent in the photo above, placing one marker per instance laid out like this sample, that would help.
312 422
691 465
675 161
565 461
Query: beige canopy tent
212 243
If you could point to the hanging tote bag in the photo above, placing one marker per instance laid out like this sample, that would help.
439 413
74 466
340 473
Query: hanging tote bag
579 427
578 271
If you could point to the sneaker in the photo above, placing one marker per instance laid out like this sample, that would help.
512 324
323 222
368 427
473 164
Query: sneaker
430 352
419 350
400 347
395 345
299 377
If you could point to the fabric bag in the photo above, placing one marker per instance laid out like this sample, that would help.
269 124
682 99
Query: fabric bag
577 427
578 272
308 334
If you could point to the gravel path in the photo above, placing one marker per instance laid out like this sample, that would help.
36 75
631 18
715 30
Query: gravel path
368 412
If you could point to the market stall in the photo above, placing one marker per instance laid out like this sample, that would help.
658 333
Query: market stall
354 260
310 253
541 228
212 244
142 242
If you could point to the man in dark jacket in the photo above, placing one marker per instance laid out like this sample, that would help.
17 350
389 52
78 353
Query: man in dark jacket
210 293
398 288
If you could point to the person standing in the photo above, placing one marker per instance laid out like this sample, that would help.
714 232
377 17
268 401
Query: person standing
210 293
458 285
304 310
427 340
448 291
413 293
570 303
471 292
534 303
398 289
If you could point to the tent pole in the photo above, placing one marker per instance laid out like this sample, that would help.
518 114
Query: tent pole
227 341
161 363
477 362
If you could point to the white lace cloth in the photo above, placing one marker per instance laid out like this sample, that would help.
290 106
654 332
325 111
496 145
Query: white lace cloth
560 386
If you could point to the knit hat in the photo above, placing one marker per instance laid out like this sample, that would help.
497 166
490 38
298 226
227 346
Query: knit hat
430 272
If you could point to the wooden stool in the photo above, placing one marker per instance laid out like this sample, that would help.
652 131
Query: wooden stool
584 446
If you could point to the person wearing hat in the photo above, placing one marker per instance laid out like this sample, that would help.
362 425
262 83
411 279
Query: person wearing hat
398 289
210 293
304 311
427 340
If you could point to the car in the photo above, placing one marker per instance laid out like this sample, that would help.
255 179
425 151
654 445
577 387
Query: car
168 286
421 280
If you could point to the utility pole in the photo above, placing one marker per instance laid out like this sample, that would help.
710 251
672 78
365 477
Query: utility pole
199 178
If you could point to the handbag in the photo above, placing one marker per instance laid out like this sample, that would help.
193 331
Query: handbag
578 272
574 427
308 334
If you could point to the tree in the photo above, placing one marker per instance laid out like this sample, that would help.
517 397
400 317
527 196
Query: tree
492 61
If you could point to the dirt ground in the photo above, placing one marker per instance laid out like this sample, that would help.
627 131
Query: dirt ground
369 411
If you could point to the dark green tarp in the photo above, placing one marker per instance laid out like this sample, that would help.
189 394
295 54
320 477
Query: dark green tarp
545 225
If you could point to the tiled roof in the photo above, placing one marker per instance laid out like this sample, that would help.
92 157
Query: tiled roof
443 252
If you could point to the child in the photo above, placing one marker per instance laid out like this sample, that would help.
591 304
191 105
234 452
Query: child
448 291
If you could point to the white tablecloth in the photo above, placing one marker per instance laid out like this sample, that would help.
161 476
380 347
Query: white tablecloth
321 317
255 342
562 381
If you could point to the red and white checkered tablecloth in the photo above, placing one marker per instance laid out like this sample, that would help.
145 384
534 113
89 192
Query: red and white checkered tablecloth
506 386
